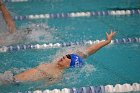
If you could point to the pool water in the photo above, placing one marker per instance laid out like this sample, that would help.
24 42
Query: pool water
113 64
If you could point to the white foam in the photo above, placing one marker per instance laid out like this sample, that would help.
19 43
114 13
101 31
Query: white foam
40 33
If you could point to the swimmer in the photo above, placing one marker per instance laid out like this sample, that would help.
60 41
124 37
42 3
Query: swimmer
9 22
53 71
11 36
7 17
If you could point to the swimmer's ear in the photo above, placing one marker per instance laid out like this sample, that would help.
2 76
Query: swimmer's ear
67 66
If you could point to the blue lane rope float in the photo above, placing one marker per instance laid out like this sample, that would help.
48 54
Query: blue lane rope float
67 44
78 14
118 88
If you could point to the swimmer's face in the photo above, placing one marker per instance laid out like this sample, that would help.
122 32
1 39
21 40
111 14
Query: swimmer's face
65 61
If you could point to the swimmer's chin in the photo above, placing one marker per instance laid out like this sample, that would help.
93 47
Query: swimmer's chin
61 66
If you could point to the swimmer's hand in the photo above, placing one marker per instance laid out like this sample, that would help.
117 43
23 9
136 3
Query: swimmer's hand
110 36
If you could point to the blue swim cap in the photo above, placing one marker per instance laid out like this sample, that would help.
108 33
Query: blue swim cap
76 61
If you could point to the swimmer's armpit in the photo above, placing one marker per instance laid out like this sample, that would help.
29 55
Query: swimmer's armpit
53 80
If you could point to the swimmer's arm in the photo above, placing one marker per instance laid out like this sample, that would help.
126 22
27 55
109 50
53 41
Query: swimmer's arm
32 74
95 47
7 17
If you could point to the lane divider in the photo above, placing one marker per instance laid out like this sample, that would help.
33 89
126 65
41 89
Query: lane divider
78 14
64 44
17 1
118 88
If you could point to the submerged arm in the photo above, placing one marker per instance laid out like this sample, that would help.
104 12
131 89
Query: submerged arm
95 47
7 17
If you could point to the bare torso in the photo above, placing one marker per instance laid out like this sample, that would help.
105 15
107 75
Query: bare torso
48 71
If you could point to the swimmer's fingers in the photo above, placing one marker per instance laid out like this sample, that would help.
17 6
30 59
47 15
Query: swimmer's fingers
110 36
106 34
112 33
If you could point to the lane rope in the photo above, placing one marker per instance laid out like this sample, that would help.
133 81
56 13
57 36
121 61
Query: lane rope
118 88
64 44
78 14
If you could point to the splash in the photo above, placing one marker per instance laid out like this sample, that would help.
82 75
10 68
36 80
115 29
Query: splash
76 75
6 77
88 69
32 33
40 33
